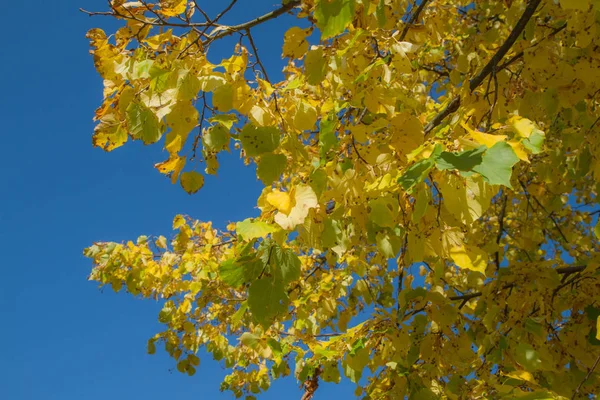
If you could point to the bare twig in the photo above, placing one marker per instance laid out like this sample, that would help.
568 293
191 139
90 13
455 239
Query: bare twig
228 30
255 50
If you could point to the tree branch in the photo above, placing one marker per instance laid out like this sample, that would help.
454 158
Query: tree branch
500 230
412 19
228 30
562 270
512 38
586 378
490 66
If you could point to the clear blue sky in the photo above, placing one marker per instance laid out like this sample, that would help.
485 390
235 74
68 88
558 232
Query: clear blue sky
62 337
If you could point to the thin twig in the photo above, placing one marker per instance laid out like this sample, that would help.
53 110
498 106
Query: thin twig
586 378
255 50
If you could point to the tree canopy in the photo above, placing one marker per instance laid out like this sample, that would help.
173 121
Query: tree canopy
427 227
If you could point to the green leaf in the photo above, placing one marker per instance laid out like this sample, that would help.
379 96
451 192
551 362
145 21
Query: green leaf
226 120
250 340
275 346
331 372
333 16
327 137
318 181
496 167
270 167
259 140
239 314
216 138
249 229
287 265
188 85
383 211
526 355
597 230
151 346
380 14
193 359
141 69
232 273
160 79
143 123
592 312
463 161
534 142
236 272
388 244
359 360
192 181
315 66
417 172
267 299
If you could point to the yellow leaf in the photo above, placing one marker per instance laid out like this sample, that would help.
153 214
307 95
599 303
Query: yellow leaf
161 242
407 133
522 375
172 8
519 150
466 199
178 221
522 126
282 201
306 116
295 44
469 257
304 199
483 138
172 166
192 181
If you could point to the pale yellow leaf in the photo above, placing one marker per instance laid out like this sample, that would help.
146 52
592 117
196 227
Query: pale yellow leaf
469 257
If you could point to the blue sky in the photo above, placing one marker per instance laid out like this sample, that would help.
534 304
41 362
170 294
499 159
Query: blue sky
63 338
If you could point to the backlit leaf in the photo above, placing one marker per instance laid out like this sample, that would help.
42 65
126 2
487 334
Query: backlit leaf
192 181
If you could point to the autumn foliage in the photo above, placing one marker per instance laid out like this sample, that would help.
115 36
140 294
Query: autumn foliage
430 171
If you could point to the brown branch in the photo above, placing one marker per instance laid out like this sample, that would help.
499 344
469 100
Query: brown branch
571 270
311 385
153 23
562 270
432 69
401 266
228 30
512 38
500 230
225 11
255 50
586 378
412 19
449 109
490 66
